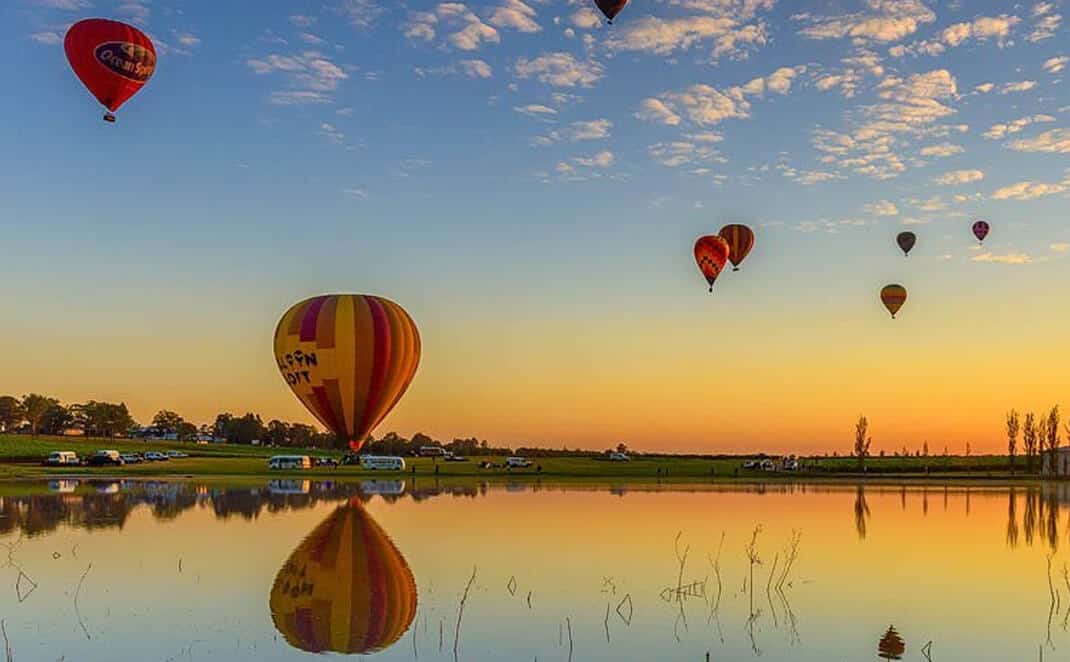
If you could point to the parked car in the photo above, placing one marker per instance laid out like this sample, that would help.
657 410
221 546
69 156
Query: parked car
105 457
155 456
450 457
350 458
517 463
176 454
131 458
619 457
326 462
752 464
61 458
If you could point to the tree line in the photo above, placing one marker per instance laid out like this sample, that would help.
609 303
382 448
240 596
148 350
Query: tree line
1040 436
37 414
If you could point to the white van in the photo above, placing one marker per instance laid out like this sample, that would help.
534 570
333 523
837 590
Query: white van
290 462
382 463
517 462
61 458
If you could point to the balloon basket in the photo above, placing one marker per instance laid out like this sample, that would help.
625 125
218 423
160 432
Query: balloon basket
109 117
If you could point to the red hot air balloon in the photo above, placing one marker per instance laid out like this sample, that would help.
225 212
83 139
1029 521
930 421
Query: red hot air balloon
610 8
711 253
740 240
906 241
113 60
980 230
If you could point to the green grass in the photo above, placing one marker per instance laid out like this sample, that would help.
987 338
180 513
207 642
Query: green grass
20 458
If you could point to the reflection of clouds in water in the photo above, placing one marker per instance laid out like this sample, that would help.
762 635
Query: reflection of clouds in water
346 588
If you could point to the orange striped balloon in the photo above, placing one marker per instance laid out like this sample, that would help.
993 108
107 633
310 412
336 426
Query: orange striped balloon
346 588
893 297
740 240
348 358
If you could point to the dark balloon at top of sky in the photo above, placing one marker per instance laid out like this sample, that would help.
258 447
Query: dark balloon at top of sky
610 7
981 229
906 241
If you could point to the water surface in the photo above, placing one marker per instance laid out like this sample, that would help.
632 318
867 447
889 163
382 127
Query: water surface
297 569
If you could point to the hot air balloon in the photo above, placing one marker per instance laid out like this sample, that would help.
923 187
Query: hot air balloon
349 359
740 240
610 8
345 589
980 230
891 646
113 60
906 241
893 297
711 252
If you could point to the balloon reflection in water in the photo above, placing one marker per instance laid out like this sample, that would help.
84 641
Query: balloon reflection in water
346 588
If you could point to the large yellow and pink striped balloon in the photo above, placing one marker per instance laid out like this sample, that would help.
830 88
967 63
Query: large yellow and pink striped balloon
346 588
349 358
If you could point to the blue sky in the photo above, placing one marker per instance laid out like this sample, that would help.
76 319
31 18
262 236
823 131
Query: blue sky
525 161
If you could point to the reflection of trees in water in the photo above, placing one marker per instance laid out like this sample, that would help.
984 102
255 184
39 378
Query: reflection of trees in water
861 512
1012 519
111 503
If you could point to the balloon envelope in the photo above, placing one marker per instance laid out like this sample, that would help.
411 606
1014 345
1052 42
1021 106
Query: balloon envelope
113 60
981 229
611 7
711 253
893 297
906 241
740 240
346 588
349 358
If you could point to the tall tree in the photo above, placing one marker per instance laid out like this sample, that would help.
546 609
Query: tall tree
11 413
167 421
1012 436
55 420
35 406
862 441
1029 440
1052 430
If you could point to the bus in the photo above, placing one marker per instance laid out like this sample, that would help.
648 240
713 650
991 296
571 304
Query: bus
382 463
432 451
290 462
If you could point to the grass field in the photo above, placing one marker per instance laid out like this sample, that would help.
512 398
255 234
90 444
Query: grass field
20 458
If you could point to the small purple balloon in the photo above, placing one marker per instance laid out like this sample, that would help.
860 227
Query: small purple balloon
980 230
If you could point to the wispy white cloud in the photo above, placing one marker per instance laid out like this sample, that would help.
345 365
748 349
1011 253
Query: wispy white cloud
66 5
725 36
360 13
881 208
1061 247
1006 258
1020 86
576 132
1053 141
1046 22
881 21
941 150
463 29
310 76
1055 64
1030 190
560 69
535 110
999 131
959 177
514 15
47 37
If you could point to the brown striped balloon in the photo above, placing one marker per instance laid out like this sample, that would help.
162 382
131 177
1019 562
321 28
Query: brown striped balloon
345 589
349 359
893 297
740 240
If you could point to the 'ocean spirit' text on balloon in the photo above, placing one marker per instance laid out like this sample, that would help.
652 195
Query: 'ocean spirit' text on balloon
348 358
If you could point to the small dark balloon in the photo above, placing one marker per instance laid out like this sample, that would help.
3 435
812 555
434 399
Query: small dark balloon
981 229
906 241
740 240
893 297
610 8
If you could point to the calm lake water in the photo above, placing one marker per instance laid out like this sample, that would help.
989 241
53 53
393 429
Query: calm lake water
295 569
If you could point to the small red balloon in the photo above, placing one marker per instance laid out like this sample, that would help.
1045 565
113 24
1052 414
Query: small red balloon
113 60
711 253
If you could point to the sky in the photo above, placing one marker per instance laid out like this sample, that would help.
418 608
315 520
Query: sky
528 182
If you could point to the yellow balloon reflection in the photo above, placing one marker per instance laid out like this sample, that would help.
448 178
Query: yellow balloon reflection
346 588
